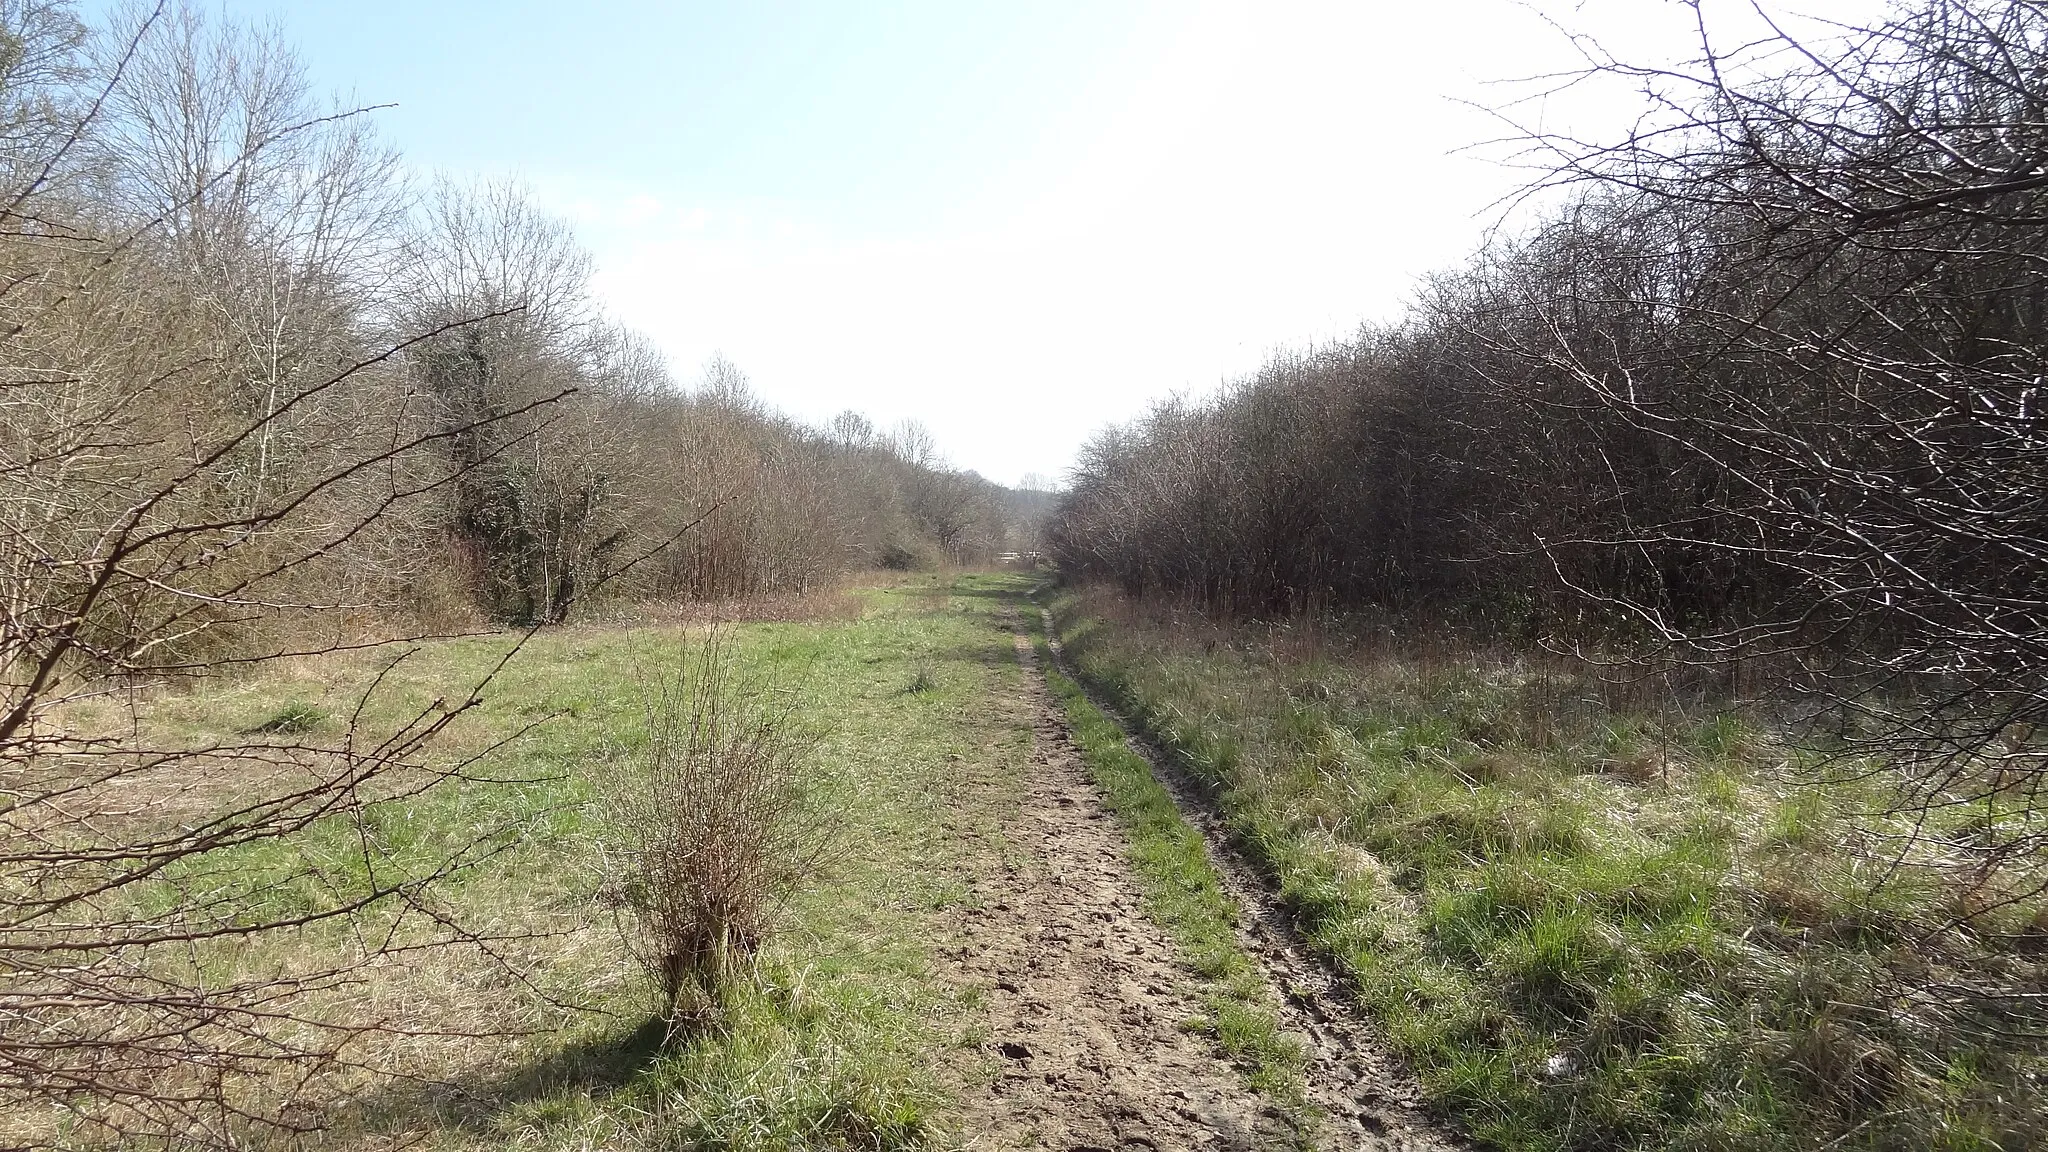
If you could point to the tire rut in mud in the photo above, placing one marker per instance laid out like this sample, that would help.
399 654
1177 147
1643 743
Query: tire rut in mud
1368 1099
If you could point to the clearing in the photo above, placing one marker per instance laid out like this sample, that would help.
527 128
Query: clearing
1019 939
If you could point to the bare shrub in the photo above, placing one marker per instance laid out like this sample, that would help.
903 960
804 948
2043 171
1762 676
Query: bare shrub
1837 327
1752 410
710 828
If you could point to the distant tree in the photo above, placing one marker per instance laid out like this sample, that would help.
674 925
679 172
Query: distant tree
542 507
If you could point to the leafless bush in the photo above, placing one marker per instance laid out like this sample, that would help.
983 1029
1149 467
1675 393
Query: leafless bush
1764 386
1756 402
711 825
1808 282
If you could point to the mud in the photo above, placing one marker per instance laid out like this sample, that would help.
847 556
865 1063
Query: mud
1368 1098
1086 1006
1087 1009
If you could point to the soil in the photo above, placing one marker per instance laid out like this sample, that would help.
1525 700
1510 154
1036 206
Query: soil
1087 1009
1086 1006
1368 1099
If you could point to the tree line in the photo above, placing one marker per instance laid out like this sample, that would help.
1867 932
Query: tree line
265 395
215 276
1763 381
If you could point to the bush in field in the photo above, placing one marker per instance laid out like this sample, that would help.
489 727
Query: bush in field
709 830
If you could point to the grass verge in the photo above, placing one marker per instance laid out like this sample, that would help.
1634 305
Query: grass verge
1593 927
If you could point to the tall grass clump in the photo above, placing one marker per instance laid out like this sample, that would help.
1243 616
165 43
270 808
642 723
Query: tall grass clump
709 826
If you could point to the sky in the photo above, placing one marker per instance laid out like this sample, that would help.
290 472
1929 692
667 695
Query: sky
1015 222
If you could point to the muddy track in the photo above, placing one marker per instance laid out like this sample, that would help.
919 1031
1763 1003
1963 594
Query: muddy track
1368 1100
1085 1003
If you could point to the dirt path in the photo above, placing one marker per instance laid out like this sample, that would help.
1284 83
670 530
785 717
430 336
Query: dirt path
1084 1000
1086 1003
1368 1099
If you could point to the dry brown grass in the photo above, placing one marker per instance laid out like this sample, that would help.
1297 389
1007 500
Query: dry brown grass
709 830
816 606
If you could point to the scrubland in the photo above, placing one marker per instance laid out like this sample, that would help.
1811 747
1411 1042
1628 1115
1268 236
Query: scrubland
1630 667
1629 661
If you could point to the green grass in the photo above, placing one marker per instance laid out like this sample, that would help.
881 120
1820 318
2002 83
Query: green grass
846 1037
1184 896
1587 927
293 719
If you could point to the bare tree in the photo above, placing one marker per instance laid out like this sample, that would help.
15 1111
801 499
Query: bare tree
1843 321
539 509
189 450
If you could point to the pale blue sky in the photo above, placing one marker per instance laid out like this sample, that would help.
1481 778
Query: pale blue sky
1014 221
872 117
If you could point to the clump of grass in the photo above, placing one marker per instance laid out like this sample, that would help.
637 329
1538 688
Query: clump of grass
793 1066
709 831
294 719
923 681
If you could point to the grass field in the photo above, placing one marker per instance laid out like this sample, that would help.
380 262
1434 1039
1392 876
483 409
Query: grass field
1592 928
846 1038
850 1033
1587 927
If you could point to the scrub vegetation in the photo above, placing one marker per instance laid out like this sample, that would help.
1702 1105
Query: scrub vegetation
1630 664
267 403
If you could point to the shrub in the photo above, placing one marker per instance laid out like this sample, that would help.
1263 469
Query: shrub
708 826
293 719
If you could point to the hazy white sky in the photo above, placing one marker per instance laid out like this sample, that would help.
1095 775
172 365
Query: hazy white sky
1013 221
